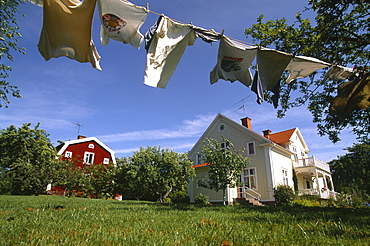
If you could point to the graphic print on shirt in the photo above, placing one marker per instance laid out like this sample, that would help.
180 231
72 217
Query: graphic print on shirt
113 23
231 64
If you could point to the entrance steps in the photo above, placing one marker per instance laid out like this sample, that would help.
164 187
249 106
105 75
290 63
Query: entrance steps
248 201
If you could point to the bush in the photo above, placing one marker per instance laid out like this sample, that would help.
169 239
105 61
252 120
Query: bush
180 197
202 199
284 195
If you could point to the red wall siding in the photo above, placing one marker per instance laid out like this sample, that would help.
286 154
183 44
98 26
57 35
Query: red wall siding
78 150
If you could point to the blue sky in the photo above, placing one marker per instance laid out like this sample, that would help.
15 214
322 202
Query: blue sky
115 105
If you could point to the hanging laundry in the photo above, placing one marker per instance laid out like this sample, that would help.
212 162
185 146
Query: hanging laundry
257 88
353 95
66 31
233 62
37 2
165 51
121 21
338 72
149 35
207 36
303 66
270 66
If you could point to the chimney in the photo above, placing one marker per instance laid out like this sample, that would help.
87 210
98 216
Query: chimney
247 122
81 137
266 134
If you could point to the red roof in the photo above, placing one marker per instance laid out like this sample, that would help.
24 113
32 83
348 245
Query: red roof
281 137
201 165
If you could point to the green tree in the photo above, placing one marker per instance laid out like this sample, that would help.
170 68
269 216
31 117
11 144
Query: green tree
9 36
28 158
352 170
153 172
101 179
225 164
340 34
70 176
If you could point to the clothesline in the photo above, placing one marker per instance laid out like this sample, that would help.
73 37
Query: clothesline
113 27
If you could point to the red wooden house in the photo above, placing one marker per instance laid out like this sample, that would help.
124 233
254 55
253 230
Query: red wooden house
83 151
86 151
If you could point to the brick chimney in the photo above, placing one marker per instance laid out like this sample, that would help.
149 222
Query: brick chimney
247 122
81 137
266 133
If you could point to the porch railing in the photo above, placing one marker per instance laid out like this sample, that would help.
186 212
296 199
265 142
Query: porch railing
312 162
311 192
247 192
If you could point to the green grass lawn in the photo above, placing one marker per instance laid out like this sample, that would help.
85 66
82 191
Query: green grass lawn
52 220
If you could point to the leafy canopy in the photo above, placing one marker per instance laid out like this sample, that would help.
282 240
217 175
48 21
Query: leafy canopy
28 157
340 34
225 164
9 36
153 173
352 170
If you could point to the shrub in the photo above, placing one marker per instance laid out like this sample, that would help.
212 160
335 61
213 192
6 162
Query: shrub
284 195
180 197
202 199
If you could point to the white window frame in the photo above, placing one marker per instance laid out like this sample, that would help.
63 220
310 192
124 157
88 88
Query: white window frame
198 159
106 161
247 174
89 157
198 180
91 146
285 176
68 154
253 147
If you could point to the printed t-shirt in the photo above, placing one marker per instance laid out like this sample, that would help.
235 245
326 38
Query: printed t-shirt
165 51
233 62
121 21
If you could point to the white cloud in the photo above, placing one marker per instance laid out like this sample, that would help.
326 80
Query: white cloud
189 129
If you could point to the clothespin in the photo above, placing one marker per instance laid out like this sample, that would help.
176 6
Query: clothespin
147 7
222 32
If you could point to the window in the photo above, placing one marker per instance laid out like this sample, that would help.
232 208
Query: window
221 127
285 177
294 149
251 150
91 146
89 158
200 183
199 159
106 161
68 154
250 178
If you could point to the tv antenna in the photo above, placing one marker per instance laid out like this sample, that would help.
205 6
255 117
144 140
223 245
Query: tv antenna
79 127
243 106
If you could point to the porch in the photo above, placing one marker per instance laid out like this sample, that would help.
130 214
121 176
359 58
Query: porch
311 162
314 177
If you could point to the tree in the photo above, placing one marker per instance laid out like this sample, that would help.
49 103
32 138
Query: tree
225 164
9 36
352 170
339 35
101 179
154 172
28 158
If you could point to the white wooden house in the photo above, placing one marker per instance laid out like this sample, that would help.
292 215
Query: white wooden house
274 157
